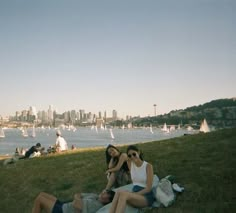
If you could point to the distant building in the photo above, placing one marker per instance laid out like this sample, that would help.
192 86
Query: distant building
32 114
99 122
114 114
50 113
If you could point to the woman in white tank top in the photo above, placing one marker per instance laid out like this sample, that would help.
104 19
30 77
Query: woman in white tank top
142 178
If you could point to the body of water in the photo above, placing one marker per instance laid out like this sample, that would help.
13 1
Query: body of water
83 137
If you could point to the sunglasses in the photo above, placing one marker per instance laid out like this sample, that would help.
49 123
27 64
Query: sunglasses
133 154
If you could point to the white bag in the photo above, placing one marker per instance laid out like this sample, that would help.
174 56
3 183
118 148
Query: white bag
164 192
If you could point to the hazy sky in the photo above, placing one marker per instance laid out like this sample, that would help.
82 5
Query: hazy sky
125 55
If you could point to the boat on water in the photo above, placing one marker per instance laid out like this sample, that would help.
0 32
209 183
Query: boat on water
204 127
151 129
33 134
165 128
2 134
112 135
25 132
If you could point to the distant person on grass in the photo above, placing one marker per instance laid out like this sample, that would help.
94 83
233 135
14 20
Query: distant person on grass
117 169
37 149
61 144
34 151
82 203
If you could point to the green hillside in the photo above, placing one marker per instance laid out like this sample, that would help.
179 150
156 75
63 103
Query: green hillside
204 164
218 113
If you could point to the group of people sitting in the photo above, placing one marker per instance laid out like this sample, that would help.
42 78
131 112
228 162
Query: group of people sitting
122 169
37 150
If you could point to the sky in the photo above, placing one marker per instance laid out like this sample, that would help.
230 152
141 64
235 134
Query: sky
125 55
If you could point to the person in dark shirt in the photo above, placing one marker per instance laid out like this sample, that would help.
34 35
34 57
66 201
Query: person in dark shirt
36 148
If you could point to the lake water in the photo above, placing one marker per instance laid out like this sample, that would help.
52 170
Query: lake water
83 137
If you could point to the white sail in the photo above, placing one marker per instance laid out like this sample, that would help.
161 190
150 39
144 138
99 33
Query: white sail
2 134
179 126
151 129
204 127
111 133
172 127
164 128
190 128
33 135
25 133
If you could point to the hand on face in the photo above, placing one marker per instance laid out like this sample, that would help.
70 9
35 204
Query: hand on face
132 155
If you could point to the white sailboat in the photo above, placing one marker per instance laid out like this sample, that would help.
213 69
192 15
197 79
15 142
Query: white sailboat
102 127
165 129
151 129
33 135
179 126
2 134
111 133
172 127
204 127
25 132
190 128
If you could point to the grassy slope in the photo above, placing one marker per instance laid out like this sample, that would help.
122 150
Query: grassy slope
204 164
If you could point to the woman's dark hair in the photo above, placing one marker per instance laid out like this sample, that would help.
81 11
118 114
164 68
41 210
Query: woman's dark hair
111 195
108 157
135 148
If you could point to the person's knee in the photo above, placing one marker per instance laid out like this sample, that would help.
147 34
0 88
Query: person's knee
123 195
112 176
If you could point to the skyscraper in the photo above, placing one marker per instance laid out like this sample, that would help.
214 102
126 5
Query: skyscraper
114 114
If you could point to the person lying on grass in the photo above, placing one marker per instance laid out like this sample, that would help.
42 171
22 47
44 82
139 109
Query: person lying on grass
82 203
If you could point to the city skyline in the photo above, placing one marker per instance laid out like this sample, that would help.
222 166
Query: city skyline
126 55
32 110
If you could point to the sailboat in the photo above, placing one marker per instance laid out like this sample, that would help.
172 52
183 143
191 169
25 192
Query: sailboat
25 132
179 126
204 127
111 133
165 129
33 135
96 128
2 134
151 129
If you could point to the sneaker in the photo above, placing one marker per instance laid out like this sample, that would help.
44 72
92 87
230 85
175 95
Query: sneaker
177 188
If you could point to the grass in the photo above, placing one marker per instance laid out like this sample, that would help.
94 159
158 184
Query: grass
204 164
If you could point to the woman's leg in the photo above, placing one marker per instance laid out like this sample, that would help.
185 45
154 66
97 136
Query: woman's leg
115 202
131 198
45 202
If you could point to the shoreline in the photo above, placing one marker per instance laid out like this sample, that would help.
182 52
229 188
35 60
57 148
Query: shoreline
77 150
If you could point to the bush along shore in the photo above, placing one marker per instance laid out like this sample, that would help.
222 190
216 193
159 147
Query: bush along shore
203 163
